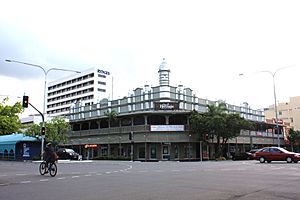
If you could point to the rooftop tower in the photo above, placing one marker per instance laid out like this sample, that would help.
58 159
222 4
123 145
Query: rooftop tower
164 72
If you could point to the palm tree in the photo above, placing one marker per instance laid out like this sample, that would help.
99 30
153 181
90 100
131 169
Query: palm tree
216 122
112 116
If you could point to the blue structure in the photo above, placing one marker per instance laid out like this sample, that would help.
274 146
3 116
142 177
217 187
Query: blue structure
19 147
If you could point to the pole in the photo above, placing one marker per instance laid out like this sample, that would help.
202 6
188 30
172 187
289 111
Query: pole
275 99
45 89
190 147
43 126
145 147
131 151
276 114
201 155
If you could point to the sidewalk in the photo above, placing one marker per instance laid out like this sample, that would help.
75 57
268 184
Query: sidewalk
67 161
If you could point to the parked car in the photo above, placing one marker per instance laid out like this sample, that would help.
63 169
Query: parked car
242 156
65 153
270 154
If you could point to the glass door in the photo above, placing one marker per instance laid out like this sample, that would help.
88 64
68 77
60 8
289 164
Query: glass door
153 153
166 152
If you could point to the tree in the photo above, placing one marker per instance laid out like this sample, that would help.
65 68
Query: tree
9 119
218 123
112 116
56 130
293 138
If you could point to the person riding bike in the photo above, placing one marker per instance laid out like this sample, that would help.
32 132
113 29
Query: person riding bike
49 154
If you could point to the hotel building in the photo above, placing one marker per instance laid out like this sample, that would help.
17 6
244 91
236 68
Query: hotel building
288 112
153 124
85 88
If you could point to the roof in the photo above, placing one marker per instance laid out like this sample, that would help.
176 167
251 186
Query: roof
15 138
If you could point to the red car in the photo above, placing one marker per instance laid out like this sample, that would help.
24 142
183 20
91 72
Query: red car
276 154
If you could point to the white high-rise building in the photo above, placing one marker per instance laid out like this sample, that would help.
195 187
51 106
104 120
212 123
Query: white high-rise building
85 88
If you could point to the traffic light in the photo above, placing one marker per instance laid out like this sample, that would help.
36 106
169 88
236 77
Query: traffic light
25 102
43 130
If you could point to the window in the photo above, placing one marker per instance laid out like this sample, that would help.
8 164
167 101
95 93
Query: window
102 76
101 83
101 90
274 150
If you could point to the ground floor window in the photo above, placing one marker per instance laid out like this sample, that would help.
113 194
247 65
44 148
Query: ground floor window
142 152
153 152
166 152
104 151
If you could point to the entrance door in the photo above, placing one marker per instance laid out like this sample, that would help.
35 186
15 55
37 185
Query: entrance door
153 153
166 152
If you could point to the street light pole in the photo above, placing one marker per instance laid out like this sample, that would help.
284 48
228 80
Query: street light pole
275 99
45 89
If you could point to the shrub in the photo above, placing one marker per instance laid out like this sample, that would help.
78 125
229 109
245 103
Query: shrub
220 158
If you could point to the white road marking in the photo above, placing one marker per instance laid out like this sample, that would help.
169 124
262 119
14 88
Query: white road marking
61 178
23 182
75 176
88 175
43 180
21 174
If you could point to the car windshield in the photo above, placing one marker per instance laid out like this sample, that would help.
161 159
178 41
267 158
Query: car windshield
70 151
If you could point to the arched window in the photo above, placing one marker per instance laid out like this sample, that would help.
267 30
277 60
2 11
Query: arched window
5 153
139 120
178 120
156 120
11 154
126 121
94 125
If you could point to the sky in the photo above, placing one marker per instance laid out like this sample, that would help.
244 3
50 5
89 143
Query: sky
206 44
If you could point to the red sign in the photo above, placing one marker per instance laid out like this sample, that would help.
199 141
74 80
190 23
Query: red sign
90 146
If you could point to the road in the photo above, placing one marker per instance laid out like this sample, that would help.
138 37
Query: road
118 180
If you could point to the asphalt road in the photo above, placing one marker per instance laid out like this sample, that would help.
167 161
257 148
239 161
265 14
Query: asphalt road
114 180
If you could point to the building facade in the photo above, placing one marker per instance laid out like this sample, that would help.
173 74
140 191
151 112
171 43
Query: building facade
288 112
85 88
153 124
19 147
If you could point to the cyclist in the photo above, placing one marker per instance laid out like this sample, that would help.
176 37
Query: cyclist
49 155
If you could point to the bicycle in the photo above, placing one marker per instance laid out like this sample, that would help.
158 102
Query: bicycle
52 168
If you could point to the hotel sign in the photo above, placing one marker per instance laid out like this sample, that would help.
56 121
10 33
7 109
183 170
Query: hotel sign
100 71
166 106
167 128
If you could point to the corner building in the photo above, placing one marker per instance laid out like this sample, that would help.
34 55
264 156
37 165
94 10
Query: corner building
152 124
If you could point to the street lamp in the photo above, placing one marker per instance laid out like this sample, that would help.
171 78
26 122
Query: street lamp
275 99
45 86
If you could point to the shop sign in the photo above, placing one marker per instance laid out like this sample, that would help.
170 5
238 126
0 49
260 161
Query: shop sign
90 146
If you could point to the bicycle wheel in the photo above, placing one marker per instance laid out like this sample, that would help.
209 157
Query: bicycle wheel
53 169
42 168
